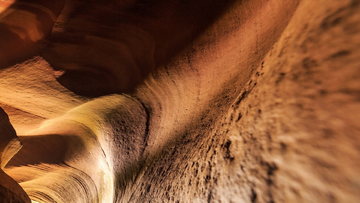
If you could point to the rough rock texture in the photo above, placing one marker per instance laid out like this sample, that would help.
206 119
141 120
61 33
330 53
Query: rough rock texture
292 133
261 106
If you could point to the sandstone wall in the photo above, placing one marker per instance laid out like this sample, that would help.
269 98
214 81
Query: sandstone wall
263 106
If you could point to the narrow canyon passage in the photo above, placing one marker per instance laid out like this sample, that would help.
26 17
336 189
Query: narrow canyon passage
180 101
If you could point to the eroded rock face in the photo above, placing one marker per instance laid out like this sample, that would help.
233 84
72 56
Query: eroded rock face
258 104
111 47
10 191
22 25
291 133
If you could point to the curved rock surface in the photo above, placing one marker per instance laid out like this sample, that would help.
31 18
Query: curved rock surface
226 101
10 191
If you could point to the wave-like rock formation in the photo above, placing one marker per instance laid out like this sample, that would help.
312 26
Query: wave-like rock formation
179 101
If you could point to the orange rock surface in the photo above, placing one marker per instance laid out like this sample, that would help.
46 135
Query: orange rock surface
183 101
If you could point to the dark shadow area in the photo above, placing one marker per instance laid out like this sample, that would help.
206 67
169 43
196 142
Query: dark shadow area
49 149
111 47
22 27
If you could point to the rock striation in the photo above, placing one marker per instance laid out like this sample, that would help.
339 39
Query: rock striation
186 101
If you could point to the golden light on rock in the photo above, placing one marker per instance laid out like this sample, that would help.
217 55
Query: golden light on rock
4 4
179 101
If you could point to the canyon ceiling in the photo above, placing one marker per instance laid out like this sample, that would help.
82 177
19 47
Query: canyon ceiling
180 101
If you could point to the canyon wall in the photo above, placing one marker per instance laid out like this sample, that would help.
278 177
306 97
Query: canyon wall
259 104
